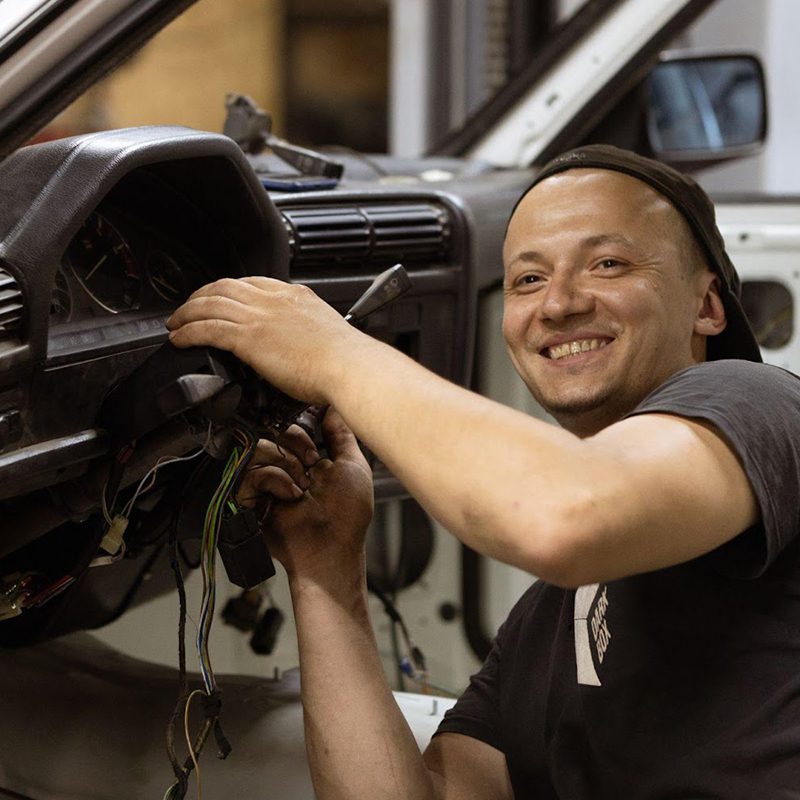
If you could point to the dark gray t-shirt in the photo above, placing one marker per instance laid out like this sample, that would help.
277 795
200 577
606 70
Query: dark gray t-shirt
679 683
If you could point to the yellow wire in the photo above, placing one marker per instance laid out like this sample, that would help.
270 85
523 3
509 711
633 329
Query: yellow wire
189 741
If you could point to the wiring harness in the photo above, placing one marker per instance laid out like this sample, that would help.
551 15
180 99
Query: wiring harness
222 504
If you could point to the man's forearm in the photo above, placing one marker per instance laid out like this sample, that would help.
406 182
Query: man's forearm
494 477
491 475
572 511
358 742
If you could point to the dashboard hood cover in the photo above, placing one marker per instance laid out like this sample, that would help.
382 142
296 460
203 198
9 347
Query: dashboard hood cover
58 183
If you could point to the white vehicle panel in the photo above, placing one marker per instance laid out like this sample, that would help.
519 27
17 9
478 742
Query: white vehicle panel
542 113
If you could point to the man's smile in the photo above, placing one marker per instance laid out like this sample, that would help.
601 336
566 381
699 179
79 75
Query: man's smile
574 347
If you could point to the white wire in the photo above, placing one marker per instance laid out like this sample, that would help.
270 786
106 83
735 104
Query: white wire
150 476
192 754
105 504
104 561
151 473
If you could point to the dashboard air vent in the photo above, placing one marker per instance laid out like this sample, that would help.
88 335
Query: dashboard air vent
12 308
326 233
371 234
408 230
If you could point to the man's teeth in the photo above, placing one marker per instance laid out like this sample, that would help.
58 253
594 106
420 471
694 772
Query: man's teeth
573 348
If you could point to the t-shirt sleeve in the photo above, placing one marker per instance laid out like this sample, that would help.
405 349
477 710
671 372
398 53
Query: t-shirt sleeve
756 407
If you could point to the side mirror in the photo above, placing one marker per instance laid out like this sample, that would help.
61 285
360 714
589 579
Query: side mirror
704 109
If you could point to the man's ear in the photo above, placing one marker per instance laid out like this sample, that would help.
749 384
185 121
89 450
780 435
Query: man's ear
711 318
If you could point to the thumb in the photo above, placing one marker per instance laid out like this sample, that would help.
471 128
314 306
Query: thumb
339 439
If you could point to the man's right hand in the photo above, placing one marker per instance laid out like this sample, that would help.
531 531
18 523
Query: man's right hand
318 535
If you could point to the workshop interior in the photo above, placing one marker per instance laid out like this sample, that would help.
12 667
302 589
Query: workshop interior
371 150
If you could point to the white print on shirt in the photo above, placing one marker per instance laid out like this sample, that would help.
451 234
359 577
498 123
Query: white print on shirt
600 631
597 626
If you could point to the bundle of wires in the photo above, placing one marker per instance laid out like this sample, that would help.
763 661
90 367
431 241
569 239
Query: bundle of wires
221 503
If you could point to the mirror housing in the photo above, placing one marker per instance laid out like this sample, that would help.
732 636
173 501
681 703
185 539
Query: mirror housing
703 109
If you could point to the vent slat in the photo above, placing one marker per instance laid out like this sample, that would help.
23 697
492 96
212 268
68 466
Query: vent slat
322 236
327 224
12 308
10 314
411 233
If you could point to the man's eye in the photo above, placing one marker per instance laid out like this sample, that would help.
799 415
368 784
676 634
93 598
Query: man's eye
528 280
609 263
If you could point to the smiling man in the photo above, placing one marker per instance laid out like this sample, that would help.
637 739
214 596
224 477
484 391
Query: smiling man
616 265
657 656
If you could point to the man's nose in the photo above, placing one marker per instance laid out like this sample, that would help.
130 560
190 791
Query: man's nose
564 296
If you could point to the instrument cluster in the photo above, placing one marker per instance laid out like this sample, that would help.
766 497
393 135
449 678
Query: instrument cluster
120 276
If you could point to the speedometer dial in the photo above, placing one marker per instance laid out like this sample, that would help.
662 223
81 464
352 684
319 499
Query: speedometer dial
166 277
105 266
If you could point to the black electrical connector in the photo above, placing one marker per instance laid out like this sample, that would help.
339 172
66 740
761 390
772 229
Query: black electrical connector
244 550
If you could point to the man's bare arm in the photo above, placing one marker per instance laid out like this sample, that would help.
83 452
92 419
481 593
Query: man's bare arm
571 511
358 742
464 768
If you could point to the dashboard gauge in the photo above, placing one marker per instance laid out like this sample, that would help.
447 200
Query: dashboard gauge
61 299
105 266
166 277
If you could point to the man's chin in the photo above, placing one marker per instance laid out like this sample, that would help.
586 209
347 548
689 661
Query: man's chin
574 409
571 403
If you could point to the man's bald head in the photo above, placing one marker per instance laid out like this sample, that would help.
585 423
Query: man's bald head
704 246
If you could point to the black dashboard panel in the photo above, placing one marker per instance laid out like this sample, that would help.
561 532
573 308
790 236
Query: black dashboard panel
342 240
104 235
184 182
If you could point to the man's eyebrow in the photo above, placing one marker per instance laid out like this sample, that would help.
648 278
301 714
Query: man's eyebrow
529 257
608 238
589 242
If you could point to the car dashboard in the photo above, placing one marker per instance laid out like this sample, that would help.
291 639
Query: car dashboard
102 236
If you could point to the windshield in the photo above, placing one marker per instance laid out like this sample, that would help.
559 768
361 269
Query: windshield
321 73
349 74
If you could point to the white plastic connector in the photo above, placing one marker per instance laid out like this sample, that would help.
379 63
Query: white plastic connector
112 541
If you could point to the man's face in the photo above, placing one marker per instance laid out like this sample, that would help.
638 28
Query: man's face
601 304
